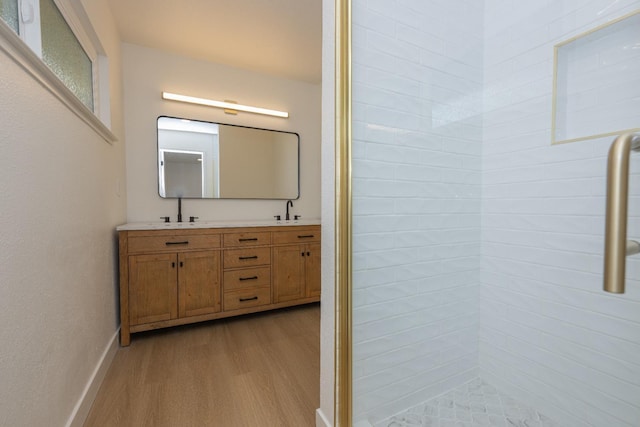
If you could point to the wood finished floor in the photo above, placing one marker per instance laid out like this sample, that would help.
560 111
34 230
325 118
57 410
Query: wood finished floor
256 370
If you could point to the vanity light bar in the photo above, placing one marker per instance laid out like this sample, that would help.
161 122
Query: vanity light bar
224 105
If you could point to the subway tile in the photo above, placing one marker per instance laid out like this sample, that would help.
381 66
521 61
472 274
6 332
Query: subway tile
493 232
372 20
563 404
373 242
408 337
387 80
419 270
617 410
367 278
620 369
389 292
426 349
607 345
420 172
397 372
386 8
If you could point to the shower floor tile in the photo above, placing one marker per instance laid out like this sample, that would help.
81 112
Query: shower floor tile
473 404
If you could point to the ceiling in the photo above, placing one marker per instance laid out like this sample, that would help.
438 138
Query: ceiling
276 37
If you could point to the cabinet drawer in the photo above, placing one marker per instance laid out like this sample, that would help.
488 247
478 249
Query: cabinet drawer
139 244
246 278
247 257
248 297
297 236
247 239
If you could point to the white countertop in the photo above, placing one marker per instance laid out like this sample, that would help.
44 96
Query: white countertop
213 224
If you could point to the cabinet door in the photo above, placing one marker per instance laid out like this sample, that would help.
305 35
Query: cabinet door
312 270
153 294
288 273
199 283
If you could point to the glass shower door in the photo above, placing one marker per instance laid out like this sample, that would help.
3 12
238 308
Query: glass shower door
477 244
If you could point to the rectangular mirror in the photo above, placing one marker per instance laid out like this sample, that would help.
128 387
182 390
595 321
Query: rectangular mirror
205 160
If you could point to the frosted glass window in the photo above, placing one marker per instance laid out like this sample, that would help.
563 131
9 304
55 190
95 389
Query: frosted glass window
597 90
62 52
9 13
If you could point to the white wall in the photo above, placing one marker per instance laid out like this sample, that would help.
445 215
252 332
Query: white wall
62 196
148 72
325 413
417 86
549 334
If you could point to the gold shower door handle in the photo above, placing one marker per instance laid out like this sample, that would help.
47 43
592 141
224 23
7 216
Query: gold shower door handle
616 246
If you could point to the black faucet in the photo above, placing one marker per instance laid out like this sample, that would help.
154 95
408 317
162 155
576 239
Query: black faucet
179 209
289 202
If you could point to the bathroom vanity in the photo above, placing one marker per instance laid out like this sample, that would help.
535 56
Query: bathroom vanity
179 273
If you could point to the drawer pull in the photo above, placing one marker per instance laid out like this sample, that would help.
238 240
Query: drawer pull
252 239
248 299
306 236
186 242
248 278
242 258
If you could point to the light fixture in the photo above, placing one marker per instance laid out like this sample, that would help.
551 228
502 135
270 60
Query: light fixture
223 104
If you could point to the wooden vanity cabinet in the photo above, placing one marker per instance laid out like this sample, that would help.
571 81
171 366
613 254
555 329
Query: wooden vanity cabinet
167 276
169 286
175 277
152 288
199 283
312 271
296 264
247 270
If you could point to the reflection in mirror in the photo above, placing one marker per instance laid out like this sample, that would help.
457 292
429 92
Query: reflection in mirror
213 160
183 174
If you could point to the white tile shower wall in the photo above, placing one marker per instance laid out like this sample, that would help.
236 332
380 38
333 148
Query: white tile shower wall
599 81
549 335
417 101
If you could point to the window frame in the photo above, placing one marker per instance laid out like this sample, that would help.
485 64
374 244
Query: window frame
29 57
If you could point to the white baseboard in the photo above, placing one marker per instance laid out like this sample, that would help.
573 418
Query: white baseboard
81 410
321 419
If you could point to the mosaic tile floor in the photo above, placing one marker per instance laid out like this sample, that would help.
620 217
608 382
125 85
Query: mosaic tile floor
474 404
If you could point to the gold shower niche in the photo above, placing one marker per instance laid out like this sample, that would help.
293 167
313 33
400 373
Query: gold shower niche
596 87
